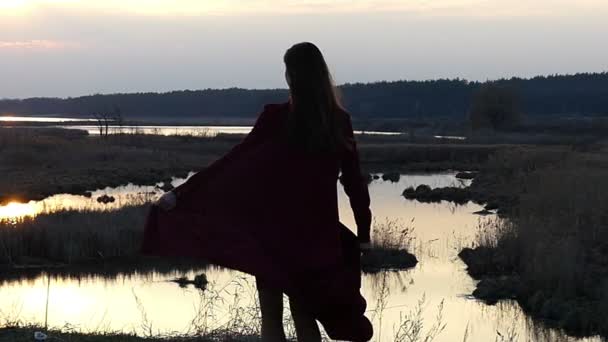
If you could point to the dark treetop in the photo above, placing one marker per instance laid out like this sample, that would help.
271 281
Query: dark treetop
580 94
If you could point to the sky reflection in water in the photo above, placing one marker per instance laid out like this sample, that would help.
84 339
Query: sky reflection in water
440 231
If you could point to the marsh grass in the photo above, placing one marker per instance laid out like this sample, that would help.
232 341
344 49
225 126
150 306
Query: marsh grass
391 242
25 333
555 242
39 162
405 156
411 326
230 312
114 236
76 237
226 313
223 312
73 236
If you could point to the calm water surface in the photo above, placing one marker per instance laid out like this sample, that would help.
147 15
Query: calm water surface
39 119
123 195
136 303
195 130
203 131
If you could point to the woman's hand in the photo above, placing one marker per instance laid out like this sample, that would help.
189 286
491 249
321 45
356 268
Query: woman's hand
167 201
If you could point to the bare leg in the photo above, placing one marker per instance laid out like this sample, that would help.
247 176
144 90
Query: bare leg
306 326
271 305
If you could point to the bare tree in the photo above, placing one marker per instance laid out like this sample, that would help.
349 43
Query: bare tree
106 118
103 123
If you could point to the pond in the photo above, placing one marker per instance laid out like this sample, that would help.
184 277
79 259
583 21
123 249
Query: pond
438 285
120 196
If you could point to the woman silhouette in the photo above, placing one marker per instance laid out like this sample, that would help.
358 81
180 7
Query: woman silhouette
269 208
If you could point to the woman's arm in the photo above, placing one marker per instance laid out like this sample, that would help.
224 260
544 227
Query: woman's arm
198 180
355 186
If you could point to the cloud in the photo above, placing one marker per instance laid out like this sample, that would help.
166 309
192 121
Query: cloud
77 48
35 44
477 8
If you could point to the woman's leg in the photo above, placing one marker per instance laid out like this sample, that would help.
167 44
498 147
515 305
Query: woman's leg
306 325
271 305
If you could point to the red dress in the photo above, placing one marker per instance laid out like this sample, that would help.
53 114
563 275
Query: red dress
272 211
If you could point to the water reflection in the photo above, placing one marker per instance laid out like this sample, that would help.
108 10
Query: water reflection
39 119
14 211
200 131
122 195
440 230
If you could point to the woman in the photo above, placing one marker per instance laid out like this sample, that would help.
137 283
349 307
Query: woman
269 208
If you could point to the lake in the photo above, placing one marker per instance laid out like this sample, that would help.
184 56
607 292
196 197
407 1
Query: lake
41 119
140 302
92 129
168 129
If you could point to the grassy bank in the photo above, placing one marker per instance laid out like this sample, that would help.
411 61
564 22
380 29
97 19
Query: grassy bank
70 242
551 251
78 243
27 334
243 325
391 243
73 237
503 177
38 162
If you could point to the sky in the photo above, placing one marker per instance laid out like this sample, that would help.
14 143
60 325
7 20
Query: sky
64 48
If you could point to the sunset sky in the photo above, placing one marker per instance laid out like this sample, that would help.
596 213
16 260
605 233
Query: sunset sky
77 47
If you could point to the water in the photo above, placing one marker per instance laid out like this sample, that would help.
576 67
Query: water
195 130
203 131
134 303
123 195
166 130
40 119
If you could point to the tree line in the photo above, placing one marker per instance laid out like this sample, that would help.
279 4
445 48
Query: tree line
578 94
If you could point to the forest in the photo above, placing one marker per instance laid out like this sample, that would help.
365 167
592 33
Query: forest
558 95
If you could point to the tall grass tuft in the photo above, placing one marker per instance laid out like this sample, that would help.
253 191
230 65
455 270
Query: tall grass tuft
554 244
73 236
391 242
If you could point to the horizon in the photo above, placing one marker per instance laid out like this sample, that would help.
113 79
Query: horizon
71 48
604 72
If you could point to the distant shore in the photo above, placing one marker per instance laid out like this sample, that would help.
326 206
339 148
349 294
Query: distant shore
38 163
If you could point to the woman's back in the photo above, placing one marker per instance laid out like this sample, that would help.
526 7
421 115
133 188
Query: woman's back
269 207
291 202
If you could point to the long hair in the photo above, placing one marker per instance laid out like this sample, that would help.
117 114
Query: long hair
313 119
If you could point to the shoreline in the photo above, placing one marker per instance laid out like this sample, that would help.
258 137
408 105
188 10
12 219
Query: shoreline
26 334
61 162
573 316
